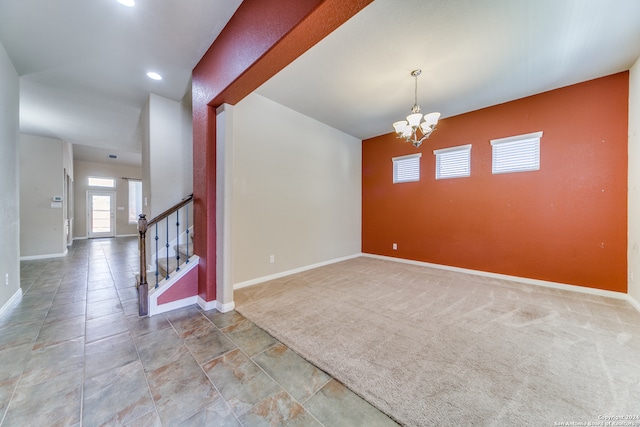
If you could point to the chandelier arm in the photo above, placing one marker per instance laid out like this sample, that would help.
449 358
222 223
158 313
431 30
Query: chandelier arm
409 132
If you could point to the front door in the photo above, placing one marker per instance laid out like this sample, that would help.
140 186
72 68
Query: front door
101 214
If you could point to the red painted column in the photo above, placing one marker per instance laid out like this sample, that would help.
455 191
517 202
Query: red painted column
204 192
262 37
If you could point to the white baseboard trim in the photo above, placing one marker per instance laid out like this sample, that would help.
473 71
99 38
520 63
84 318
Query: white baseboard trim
15 299
215 305
126 235
525 280
45 256
207 305
634 302
173 305
81 238
196 299
293 271
224 308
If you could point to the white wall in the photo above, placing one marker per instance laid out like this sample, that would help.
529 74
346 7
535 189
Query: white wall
68 197
9 174
166 152
146 158
103 170
296 191
42 231
634 182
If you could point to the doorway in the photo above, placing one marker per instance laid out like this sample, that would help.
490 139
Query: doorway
101 215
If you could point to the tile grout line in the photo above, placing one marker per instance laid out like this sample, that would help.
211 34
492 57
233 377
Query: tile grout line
266 373
84 346
15 388
202 369
243 352
146 379
13 393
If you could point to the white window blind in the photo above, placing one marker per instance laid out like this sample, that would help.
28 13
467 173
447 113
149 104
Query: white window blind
406 168
454 162
135 200
516 153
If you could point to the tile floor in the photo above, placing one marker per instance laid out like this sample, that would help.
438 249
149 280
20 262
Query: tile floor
74 352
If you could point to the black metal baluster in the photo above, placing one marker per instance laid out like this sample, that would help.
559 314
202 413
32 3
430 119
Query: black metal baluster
167 247
157 254
187 232
143 285
178 239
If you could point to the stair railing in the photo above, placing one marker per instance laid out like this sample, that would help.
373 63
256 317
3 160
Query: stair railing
161 226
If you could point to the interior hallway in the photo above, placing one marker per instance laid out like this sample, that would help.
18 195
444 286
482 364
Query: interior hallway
74 352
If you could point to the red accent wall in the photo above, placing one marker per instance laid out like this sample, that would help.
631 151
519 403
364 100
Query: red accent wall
262 37
185 287
565 223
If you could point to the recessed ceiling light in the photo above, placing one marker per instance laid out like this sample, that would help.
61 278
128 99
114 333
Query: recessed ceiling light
129 3
154 76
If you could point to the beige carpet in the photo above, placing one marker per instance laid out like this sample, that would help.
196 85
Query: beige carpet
433 347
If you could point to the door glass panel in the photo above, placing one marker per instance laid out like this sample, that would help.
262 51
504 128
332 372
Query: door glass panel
101 214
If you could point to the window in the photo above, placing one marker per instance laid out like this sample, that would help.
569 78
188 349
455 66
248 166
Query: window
93 181
516 153
454 162
406 168
135 200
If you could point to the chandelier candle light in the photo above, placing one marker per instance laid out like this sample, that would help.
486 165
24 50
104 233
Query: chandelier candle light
408 129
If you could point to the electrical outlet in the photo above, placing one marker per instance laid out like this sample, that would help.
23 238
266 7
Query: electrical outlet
395 246
6 279
272 259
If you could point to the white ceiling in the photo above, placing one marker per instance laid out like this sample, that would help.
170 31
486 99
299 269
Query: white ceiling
83 63
473 54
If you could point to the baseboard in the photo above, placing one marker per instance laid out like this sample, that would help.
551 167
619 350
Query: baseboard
524 280
126 235
81 238
173 305
207 305
15 298
45 256
262 279
224 308
634 302
215 305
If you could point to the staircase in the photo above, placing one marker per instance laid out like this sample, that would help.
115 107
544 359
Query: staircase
170 267
176 260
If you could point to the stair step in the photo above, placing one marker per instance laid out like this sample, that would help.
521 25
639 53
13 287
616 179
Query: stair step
170 268
165 268
182 250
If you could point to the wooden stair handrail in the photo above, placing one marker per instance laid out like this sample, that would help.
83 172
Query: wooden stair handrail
169 211
143 226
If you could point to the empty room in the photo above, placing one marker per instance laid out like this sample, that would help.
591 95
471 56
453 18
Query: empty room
319 212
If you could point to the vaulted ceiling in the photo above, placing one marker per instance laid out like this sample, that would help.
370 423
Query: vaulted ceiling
83 63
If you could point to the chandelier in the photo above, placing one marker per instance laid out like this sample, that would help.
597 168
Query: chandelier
411 130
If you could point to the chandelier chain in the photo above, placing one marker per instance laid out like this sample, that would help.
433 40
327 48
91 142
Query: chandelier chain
415 91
